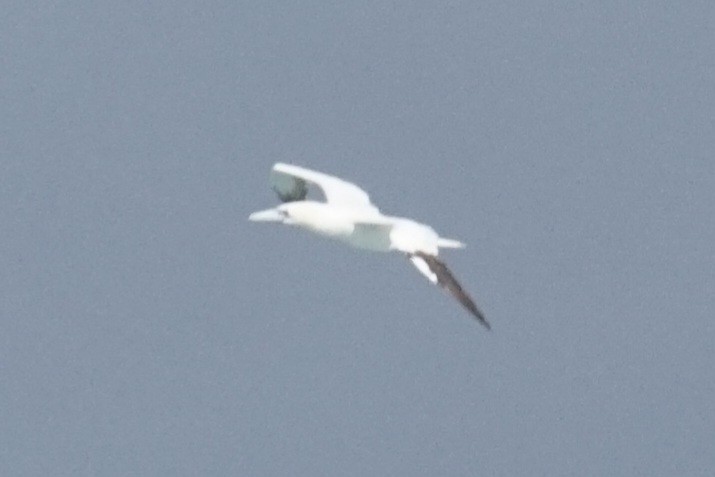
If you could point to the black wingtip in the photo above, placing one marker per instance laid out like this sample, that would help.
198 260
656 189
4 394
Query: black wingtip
447 281
480 318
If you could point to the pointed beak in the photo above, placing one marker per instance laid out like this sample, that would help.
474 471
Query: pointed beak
269 215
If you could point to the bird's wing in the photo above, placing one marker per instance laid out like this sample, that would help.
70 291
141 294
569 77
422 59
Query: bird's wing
438 273
291 184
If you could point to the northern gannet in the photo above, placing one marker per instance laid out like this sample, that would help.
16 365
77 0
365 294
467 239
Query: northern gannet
348 215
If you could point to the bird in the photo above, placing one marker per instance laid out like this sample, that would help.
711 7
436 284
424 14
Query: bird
348 215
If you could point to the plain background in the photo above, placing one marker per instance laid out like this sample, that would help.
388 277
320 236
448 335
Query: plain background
147 328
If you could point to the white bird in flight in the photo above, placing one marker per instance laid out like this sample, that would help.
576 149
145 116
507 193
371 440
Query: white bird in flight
348 215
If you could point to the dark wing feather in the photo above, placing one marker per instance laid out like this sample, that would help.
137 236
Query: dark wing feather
447 281
290 189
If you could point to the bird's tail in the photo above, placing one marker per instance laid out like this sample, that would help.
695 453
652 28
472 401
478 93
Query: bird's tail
449 243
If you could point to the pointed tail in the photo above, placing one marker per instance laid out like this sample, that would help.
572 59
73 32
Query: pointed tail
449 243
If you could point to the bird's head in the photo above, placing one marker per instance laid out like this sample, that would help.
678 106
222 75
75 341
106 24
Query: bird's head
315 216
278 214
301 213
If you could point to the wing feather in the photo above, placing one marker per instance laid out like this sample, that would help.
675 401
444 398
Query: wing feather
291 183
437 272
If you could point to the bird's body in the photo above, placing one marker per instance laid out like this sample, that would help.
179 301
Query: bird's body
349 216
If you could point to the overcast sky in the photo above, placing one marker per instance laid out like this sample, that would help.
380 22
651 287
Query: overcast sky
147 328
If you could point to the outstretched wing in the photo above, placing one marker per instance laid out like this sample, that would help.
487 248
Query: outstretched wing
438 273
291 184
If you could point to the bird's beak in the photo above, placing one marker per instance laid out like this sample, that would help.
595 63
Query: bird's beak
269 215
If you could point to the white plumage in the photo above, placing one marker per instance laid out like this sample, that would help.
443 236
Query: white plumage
348 215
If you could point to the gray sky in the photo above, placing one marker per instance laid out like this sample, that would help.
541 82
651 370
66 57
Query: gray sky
146 328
